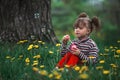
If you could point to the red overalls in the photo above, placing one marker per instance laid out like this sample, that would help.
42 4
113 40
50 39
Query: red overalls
68 59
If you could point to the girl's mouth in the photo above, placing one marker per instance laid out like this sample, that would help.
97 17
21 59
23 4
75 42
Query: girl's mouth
77 33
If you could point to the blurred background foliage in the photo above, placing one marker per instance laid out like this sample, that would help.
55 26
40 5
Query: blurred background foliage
65 12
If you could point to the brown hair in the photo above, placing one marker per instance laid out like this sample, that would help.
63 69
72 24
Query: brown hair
93 23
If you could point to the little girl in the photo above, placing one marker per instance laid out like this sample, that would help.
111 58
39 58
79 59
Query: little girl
83 48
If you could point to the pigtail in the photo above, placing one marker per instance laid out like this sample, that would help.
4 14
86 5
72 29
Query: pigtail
95 23
83 15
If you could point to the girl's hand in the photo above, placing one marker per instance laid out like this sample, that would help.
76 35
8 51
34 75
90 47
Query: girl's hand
75 50
73 47
65 39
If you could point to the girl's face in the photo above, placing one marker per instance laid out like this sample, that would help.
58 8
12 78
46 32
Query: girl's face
81 31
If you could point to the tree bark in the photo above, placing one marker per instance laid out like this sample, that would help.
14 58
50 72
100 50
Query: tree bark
23 19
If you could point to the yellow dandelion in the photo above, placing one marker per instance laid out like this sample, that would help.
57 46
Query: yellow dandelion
25 40
58 76
77 68
116 47
118 41
67 66
43 42
111 47
113 50
55 72
118 51
36 46
22 41
84 76
114 65
37 56
92 57
39 41
116 56
43 72
12 58
34 64
42 66
35 69
106 50
34 56
8 57
102 61
27 60
99 67
58 44
20 56
83 68
51 52
106 71
101 54
61 69
50 75
30 47
36 61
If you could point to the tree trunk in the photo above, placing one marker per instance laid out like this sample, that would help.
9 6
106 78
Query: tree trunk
23 19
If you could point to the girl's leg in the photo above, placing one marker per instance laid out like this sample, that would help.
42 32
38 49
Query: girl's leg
64 60
73 60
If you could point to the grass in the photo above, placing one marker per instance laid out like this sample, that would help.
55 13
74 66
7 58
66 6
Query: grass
37 60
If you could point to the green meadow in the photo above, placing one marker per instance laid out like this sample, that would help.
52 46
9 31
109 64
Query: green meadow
36 60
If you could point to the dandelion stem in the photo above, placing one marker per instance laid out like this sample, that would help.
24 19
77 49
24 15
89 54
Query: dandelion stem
70 41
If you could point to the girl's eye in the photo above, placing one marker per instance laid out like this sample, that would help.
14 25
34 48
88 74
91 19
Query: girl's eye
80 27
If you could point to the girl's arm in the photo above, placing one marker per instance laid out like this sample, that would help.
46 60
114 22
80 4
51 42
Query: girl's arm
63 49
92 56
